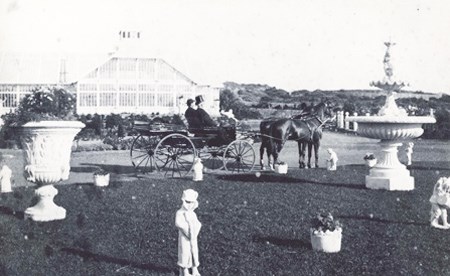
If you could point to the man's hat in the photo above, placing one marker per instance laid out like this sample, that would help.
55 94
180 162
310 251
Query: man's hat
199 99
189 102
189 195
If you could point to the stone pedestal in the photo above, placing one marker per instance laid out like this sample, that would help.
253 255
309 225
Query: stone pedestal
389 173
45 209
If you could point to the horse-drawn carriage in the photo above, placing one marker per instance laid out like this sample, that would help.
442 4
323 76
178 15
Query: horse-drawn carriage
172 149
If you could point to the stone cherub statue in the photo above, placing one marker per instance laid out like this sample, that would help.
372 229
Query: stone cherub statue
5 176
198 170
440 202
332 161
188 229
409 152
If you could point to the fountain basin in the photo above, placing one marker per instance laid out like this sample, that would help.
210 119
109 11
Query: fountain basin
390 127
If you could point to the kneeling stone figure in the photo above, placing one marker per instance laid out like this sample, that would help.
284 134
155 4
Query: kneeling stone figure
440 202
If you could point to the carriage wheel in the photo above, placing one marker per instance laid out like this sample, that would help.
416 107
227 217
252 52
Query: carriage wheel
239 156
174 155
212 158
142 153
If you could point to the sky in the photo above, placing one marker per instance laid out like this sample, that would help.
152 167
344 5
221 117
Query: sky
289 44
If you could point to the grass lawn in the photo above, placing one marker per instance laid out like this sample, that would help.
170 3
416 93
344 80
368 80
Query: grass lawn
251 226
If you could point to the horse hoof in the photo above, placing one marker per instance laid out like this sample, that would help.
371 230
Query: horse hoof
317 166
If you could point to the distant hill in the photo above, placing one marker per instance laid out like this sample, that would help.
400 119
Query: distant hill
255 94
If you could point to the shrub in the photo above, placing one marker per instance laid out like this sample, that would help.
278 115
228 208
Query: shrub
42 104
324 222
369 156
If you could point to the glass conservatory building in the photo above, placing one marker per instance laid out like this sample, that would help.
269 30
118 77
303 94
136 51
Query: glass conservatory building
103 84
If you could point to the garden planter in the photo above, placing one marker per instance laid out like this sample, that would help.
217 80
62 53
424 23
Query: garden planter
47 147
329 242
281 168
371 162
101 180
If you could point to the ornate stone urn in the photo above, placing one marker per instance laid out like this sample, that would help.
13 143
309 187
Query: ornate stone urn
47 146
391 126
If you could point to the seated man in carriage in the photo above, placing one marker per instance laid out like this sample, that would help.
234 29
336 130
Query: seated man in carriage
203 116
191 115
201 124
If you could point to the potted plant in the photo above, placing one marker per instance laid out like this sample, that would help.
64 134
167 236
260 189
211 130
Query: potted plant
45 123
281 167
101 178
326 233
370 159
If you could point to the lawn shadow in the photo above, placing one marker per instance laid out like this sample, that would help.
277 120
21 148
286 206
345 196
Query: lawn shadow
124 262
277 178
293 243
263 178
10 212
118 169
384 220
430 165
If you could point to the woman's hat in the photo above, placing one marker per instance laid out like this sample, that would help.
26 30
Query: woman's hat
189 195
189 102
199 99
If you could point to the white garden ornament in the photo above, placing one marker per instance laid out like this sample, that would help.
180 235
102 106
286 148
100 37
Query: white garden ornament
101 178
409 152
326 234
47 145
440 202
281 168
332 161
198 170
5 179
188 229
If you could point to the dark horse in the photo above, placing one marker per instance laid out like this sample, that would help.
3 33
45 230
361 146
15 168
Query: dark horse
305 128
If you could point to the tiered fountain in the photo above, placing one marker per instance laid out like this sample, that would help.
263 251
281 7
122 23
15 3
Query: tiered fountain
390 126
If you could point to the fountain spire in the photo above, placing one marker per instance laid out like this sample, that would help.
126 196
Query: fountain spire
389 85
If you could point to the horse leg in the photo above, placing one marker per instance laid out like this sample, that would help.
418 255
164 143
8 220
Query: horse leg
261 155
316 152
275 155
301 154
309 154
269 158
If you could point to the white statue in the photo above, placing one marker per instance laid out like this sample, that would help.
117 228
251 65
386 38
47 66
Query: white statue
409 152
5 179
332 161
198 170
440 202
188 229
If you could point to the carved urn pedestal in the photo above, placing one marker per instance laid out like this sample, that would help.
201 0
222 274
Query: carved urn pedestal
47 146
